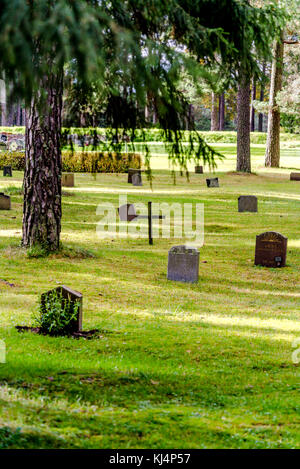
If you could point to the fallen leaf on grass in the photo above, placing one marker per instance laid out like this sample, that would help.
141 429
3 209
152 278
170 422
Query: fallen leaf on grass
155 383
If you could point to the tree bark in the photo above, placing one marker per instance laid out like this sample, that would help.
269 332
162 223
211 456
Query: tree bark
272 156
243 126
221 111
42 179
214 124
252 113
261 98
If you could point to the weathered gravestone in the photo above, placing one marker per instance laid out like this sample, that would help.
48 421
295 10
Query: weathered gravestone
137 179
183 264
132 171
7 171
4 202
127 212
212 182
67 180
271 249
247 203
73 297
295 176
199 169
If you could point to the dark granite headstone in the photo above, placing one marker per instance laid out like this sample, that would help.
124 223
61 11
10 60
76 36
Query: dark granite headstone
7 171
247 203
67 180
199 169
137 179
271 249
4 202
183 264
132 171
212 182
69 295
295 176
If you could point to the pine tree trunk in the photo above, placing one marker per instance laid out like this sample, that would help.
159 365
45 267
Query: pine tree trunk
214 124
243 126
261 98
222 111
272 156
19 111
42 179
3 114
252 114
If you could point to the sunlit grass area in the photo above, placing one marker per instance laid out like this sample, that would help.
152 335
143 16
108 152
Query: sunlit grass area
290 156
204 365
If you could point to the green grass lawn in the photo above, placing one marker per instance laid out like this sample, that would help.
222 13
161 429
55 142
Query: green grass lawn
176 365
290 156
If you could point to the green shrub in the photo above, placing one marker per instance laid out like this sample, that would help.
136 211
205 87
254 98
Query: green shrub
57 315
99 162
80 161
15 159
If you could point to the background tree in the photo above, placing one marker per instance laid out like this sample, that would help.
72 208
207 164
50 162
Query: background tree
289 35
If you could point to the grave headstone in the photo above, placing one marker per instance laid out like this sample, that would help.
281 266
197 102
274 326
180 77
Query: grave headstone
67 180
137 179
68 295
199 169
212 182
270 250
247 203
4 202
7 171
132 171
183 264
127 212
295 176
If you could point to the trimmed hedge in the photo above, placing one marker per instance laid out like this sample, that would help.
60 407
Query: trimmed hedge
15 159
155 135
80 162
98 162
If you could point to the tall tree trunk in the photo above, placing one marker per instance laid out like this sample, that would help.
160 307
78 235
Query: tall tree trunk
261 98
3 114
214 124
272 156
42 179
2 102
252 113
19 111
243 126
221 111
11 115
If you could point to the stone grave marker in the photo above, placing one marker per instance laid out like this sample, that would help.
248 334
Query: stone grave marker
199 169
247 203
132 171
295 176
4 202
7 171
270 250
127 212
67 180
68 295
183 264
137 179
212 182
